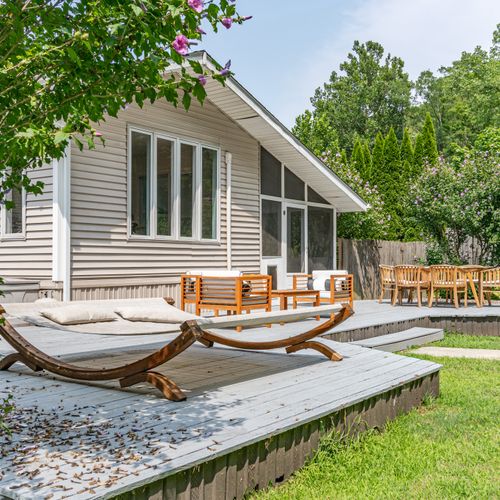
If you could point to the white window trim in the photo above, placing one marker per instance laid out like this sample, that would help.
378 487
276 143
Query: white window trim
3 221
197 204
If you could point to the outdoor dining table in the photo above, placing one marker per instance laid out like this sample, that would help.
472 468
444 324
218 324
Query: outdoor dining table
468 272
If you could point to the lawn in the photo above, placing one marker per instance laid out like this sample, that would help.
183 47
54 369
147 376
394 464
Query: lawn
449 448
468 341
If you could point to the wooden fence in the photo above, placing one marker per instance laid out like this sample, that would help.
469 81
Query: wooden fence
362 258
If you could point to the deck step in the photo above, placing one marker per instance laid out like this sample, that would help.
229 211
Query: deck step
399 341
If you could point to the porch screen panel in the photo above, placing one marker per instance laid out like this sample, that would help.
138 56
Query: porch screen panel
320 238
188 165
271 228
270 174
294 187
14 216
209 194
164 171
140 183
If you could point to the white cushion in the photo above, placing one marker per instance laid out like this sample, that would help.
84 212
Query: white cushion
223 273
154 314
326 274
77 314
319 283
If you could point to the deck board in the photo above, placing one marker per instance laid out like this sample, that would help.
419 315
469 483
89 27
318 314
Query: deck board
235 399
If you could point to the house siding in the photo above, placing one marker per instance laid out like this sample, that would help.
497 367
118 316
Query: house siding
31 257
101 249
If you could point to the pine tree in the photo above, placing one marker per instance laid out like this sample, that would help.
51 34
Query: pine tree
357 157
368 160
377 159
406 148
418 155
391 174
429 141
343 156
406 156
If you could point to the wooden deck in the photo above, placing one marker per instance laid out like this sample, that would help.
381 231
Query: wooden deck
372 319
251 418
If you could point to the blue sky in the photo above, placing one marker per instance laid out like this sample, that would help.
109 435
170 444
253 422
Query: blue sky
290 48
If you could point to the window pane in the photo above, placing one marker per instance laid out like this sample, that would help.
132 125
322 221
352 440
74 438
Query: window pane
209 194
270 174
14 216
315 197
320 226
188 162
164 162
294 187
140 183
295 245
271 228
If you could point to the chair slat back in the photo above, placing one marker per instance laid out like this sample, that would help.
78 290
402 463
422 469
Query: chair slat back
491 277
444 275
387 274
407 275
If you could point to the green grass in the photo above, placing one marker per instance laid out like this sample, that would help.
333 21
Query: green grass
468 341
449 448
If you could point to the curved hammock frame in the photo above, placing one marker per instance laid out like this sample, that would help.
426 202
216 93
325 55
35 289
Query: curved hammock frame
142 370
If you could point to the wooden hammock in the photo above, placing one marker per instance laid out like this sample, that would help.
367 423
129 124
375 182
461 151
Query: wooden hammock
191 331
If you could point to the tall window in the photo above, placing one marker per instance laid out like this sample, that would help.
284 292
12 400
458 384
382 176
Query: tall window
188 172
12 220
164 184
209 194
173 187
140 183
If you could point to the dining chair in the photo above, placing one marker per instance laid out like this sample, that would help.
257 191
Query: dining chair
489 283
449 278
387 281
409 278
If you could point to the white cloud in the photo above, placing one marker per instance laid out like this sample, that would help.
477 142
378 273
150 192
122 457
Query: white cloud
427 34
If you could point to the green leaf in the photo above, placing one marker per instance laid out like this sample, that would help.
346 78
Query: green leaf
137 10
61 136
73 56
186 101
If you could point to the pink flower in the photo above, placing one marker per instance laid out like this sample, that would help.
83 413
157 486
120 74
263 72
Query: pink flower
196 5
202 79
225 70
227 22
181 45
97 134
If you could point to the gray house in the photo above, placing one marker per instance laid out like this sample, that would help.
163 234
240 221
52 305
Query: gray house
223 186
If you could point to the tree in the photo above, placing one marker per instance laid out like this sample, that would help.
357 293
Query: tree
418 155
368 161
357 157
371 224
463 99
377 158
371 93
316 134
65 65
406 148
455 203
429 146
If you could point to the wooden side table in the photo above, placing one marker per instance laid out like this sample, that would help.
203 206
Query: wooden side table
283 295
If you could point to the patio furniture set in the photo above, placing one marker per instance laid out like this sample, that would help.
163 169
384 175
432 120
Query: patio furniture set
455 281
228 291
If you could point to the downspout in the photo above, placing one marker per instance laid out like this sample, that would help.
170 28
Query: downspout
229 160
61 223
